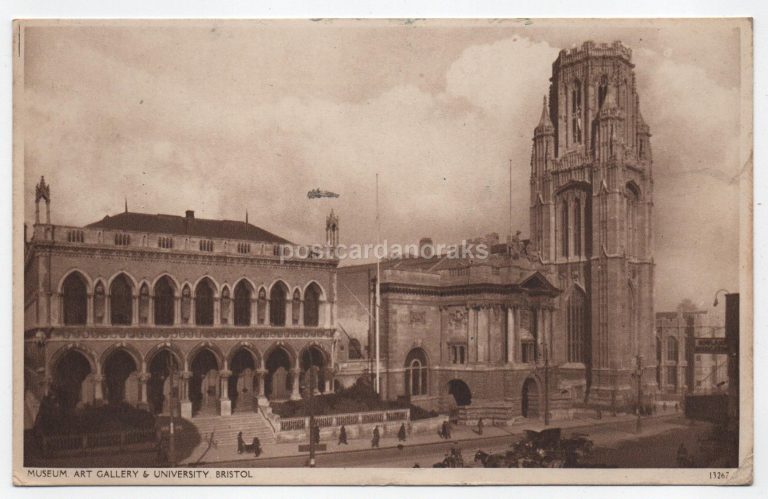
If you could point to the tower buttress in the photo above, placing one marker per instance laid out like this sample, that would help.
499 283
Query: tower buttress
42 191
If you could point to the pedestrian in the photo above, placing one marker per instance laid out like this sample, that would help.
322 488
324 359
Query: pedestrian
447 430
442 430
240 443
480 426
256 446
401 434
343 435
682 456
376 437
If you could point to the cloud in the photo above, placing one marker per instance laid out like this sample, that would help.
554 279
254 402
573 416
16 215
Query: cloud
137 115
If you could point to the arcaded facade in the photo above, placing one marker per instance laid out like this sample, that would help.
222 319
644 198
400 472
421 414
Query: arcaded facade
133 306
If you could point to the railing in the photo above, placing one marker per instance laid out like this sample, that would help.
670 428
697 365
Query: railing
119 439
293 424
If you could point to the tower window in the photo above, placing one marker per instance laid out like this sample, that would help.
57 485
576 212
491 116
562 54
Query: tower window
206 245
122 239
602 91
577 227
564 228
576 125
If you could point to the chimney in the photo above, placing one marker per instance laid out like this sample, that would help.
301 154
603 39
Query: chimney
190 214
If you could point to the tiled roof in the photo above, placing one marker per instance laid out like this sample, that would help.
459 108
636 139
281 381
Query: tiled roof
198 227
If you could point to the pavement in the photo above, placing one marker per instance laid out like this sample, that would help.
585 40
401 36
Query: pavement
612 430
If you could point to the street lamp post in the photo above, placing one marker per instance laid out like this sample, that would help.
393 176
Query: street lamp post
172 405
310 401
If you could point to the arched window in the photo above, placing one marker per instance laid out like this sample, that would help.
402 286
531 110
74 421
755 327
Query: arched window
632 197
312 306
577 227
99 303
277 299
242 304
295 307
144 304
416 373
225 303
564 228
204 303
75 299
576 123
261 311
577 325
164 302
672 351
602 91
121 300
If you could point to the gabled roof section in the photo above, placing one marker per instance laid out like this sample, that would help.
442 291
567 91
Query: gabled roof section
189 225
536 281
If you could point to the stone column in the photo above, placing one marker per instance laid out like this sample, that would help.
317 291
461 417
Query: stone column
225 404
267 318
328 380
134 309
151 310
254 310
98 392
327 307
176 309
295 395
186 404
216 311
289 309
301 313
143 399
510 332
262 396
88 308
472 346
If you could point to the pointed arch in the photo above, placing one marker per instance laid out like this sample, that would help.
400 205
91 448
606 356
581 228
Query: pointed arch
250 348
577 316
313 296
75 288
121 289
211 347
175 284
173 350
205 294
243 296
417 372
278 296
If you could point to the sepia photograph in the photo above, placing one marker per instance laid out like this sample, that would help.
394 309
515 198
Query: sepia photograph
510 251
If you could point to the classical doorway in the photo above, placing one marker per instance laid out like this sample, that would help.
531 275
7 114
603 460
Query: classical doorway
462 395
530 407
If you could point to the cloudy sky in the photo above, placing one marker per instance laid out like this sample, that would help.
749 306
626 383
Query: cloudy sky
228 117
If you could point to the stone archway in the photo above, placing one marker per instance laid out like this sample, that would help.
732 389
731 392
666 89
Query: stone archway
313 359
74 386
241 384
204 386
278 382
530 399
159 385
121 378
462 395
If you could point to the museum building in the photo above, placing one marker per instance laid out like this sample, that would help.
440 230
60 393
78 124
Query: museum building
135 305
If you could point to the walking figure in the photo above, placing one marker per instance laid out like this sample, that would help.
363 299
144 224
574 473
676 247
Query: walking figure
376 437
256 446
401 434
343 435
480 426
240 443
447 429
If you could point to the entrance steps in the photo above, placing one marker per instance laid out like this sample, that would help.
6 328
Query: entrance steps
226 428
489 410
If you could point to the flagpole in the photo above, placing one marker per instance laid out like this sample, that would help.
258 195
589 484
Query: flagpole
377 383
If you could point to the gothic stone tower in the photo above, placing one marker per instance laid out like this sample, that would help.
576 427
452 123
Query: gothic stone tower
591 220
